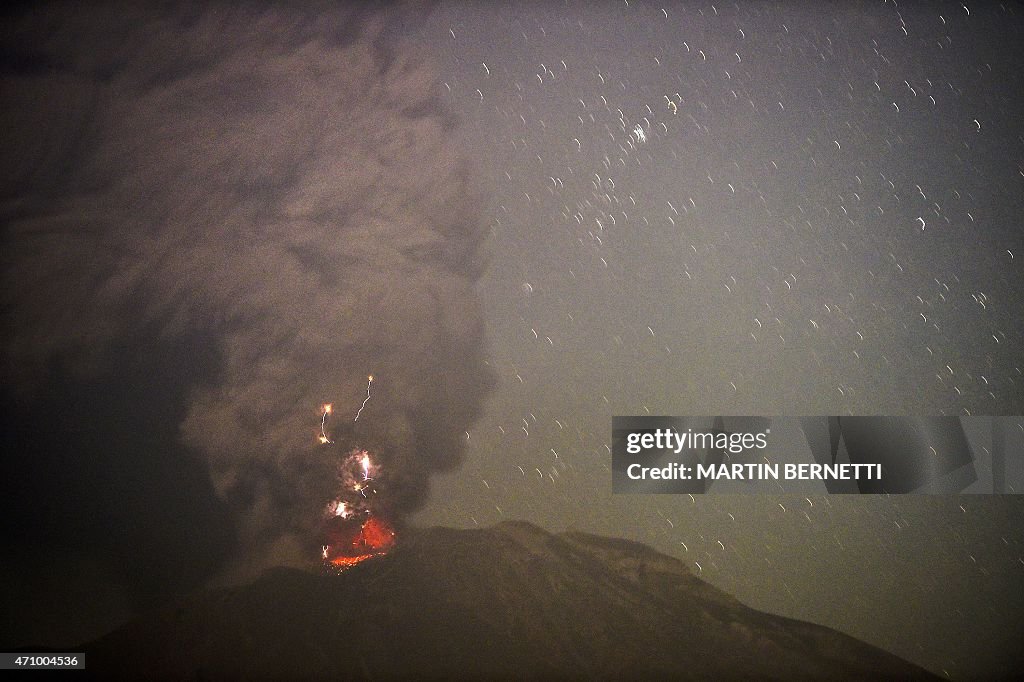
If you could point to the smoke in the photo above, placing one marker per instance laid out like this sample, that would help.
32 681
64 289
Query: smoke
282 184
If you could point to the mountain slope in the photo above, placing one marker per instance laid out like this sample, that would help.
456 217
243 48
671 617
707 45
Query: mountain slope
509 601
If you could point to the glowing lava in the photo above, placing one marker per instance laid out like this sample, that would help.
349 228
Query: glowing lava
351 528
376 535
374 538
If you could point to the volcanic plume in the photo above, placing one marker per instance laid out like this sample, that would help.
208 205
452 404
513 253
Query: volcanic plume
281 184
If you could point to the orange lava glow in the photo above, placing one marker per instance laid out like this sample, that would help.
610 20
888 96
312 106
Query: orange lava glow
376 534
374 539
343 562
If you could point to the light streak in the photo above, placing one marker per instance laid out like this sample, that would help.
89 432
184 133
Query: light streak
369 380
326 409
366 467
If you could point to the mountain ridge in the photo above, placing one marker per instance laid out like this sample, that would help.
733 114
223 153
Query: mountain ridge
509 601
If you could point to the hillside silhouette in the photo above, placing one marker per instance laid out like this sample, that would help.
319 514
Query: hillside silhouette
509 602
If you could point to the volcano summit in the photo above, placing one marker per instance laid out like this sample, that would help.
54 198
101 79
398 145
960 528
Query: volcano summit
511 601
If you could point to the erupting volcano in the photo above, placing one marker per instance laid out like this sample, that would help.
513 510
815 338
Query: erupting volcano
352 530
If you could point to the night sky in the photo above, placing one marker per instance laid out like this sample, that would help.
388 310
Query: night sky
522 221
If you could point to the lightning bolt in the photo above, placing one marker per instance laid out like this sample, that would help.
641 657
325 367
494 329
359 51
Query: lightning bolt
323 424
369 380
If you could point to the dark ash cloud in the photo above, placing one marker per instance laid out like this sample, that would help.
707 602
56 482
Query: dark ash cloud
264 204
